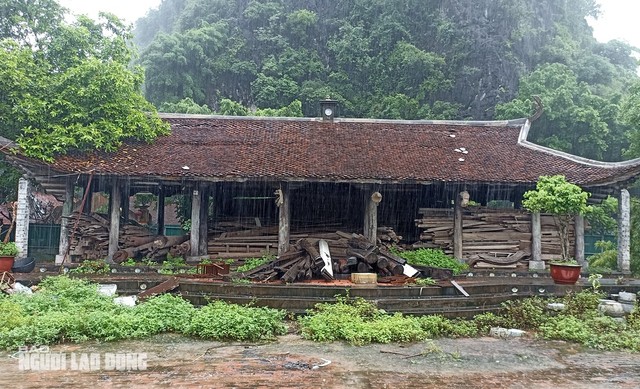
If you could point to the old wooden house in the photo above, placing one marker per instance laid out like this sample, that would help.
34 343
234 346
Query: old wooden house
287 177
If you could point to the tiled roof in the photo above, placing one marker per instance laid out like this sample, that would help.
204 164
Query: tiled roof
239 148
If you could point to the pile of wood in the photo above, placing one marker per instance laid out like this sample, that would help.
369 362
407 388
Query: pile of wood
350 253
259 241
91 240
491 234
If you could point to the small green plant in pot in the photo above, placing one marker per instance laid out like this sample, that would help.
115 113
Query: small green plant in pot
8 251
563 200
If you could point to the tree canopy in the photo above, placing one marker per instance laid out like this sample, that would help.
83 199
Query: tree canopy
68 86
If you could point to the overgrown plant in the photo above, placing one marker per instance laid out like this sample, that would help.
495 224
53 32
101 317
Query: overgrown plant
252 263
562 199
433 258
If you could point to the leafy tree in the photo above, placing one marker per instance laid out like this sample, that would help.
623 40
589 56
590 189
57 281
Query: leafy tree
562 199
72 88
630 116
186 105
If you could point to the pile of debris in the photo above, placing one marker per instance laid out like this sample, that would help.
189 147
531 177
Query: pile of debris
311 258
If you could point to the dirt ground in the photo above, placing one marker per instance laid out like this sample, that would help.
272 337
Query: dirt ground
178 362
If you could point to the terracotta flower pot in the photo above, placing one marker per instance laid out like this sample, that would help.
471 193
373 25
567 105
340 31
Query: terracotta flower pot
566 274
6 263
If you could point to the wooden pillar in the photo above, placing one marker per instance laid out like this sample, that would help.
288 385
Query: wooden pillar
88 204
161 205
457 228
204 218
536 262
579 249
23 210
284 217
65 230
371 216
624 231
196 204
115 199
125 203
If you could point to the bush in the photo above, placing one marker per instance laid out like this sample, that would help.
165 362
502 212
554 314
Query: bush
525 314
223 321
433 258
166 313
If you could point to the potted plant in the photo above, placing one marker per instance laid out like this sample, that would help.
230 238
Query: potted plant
563 200
8 252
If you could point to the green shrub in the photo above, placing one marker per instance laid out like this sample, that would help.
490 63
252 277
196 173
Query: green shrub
252 263
566 328
166 313
433 258
485 321
222 321
524 314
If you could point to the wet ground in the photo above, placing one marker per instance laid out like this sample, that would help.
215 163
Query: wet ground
177 362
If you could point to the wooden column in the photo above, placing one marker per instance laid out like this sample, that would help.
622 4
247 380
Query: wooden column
624 231
65 230
204 218
536 262
579 249
284 217
371 216
161 205
125 203
196 204
115 199
88 204
457 228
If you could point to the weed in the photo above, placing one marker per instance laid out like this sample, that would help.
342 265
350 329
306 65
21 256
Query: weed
433 258
92 267
252 263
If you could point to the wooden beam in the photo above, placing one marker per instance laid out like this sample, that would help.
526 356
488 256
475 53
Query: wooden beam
204 217
67 208
371 216
196 204
284 217
114 231
457 228
161 205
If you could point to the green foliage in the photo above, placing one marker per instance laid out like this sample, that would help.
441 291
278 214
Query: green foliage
8 249
67 309
92 267
601 217
69 86
433 258
526 314
129 262
186 105
425 281
358 321
222 321
607 258
252 263
562 199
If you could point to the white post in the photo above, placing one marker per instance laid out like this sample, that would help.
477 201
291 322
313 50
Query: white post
579 249
284 219
536 262
196 204
22 217
624 231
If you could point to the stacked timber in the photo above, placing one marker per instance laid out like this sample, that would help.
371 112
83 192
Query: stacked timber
91 240
259 241
351 253
492 234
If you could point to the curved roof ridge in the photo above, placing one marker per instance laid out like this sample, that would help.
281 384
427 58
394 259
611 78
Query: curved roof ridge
522 141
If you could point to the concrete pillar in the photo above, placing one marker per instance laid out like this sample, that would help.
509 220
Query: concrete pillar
624 231
196 204
22 217
115 200
65 223
284 216
536 262
579 249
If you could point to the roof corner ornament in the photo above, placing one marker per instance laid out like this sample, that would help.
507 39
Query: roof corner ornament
537 102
